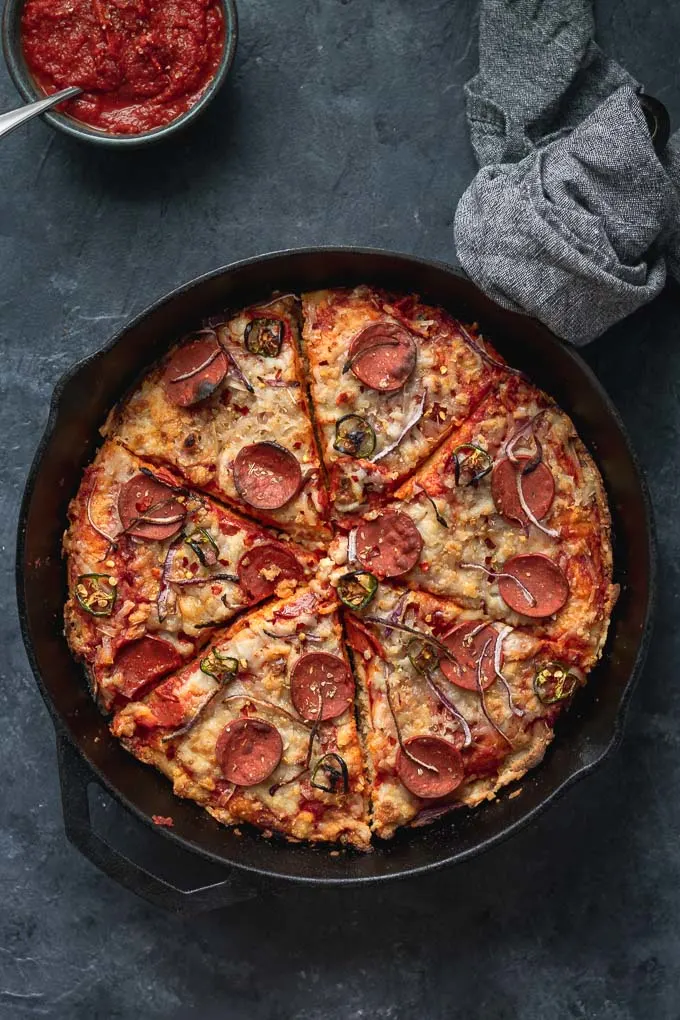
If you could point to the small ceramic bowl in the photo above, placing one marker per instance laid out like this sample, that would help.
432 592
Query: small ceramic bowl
22 78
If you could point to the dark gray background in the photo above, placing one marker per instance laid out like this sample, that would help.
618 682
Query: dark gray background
342 123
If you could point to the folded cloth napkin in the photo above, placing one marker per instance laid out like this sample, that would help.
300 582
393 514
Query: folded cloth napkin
573 218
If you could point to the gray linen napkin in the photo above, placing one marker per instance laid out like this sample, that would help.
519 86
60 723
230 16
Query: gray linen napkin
573 217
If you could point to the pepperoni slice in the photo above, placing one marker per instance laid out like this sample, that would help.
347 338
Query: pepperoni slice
389 545
538 489
437 752
383 356
248 751
261 569
266 475
320 675
145 660
541 577
194 372
161 512
467 643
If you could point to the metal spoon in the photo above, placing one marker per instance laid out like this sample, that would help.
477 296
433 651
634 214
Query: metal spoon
13 118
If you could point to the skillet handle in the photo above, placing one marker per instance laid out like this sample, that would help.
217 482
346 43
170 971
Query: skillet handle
75 777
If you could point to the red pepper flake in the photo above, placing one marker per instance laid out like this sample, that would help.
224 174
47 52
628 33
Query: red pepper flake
163 821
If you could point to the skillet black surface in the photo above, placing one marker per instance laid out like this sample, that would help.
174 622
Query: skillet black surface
88 752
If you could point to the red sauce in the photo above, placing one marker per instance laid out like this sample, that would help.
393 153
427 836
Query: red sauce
142 63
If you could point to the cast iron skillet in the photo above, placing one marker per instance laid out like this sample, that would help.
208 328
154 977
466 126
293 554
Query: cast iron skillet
88 753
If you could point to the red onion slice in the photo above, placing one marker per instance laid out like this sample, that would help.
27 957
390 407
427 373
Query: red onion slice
266 704
290 383
482 698
550 532
494 574
508 446
395 615
112 541
195 371
498 652
450 707
352 546
198 711
238 371
274 300
411 423
165 591
183 582
426 638
404 750
477 347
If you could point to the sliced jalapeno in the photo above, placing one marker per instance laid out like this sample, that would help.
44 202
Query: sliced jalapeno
96 593
264 337
555 682
204 545
354 436
470 464
333 769
222 668
423 657
356 590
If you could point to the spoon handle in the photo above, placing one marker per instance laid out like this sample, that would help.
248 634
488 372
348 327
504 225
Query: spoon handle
13 118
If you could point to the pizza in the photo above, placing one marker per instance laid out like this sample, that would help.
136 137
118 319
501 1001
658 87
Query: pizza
389 378
154 567
261 728
338 568
508 516
227 409
456 704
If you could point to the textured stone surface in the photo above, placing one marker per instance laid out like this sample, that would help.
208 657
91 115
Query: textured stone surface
342 122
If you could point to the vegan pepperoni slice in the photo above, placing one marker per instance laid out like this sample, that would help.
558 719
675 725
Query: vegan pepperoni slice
262 568
266 475
541 577
145 660
382 356
467 642
149 509
248 751
321 680
441 755
389 545
538 489
194 372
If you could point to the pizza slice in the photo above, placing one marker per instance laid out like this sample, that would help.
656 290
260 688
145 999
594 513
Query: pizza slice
390 378
154 566
454 705
261 727
509 516
227 410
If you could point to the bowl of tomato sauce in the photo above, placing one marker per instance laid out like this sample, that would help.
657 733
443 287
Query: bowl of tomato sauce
146 67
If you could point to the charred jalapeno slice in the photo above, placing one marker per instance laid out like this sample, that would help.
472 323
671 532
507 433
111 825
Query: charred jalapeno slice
354 436
356 590
96 593
204 545
264 337
222 668
423 657
470 464
332 768
555 682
